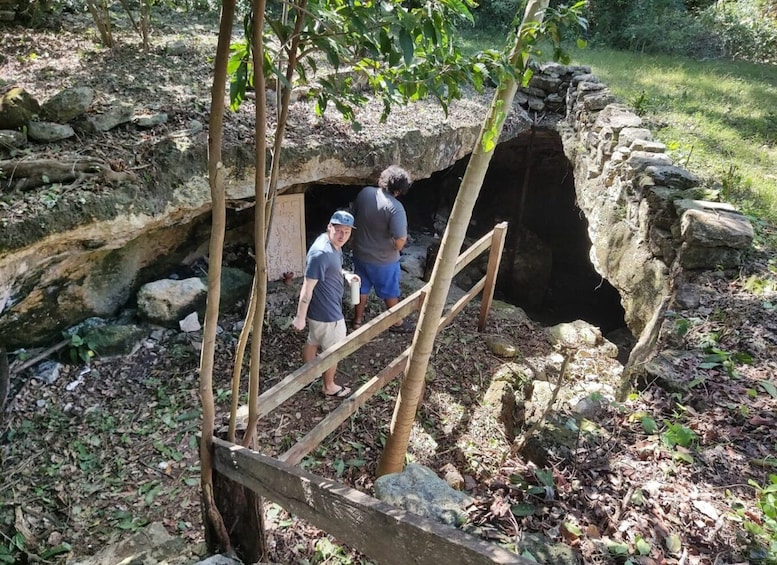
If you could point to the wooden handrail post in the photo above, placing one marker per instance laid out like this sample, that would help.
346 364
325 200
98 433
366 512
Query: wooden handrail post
494 259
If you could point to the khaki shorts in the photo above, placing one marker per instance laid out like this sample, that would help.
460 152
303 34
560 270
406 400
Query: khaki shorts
326 334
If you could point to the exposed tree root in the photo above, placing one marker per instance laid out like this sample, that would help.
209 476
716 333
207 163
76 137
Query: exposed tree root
20 174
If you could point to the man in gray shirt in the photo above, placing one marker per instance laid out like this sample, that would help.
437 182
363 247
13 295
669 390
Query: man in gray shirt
382 233
320 303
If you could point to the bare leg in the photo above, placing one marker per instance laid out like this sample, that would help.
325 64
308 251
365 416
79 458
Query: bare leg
358 316
330 387
309 352
391 302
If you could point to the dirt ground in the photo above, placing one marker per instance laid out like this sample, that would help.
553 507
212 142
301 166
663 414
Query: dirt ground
669 476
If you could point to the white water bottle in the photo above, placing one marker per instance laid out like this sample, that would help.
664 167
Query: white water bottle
355 284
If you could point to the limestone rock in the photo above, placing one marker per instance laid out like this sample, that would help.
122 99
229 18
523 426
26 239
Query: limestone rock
47 132
152 544
498 407
167 301
452 476
499 346
575 334
419 490
68 104
104 121
150 121
17 107
12 139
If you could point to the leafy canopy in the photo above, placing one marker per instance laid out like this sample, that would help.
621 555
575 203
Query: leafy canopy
391 50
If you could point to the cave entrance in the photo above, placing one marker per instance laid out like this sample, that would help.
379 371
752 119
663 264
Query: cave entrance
546 269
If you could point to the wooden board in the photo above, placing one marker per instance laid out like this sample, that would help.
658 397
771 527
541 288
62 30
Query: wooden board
388 535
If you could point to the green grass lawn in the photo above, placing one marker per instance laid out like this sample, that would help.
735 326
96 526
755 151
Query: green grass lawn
718 119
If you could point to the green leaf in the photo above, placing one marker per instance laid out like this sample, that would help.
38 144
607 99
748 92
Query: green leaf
490 136
643 547
618 548
673 543
638 498
545 477
237 86
522 509
769 387
408 49
573 528
152 494
356 462
190 415
56 550
649 425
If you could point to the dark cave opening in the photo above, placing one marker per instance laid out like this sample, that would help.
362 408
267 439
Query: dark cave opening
546 269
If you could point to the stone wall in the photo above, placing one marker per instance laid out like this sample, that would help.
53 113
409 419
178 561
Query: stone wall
647 217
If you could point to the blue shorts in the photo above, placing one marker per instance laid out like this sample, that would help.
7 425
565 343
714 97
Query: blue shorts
383 278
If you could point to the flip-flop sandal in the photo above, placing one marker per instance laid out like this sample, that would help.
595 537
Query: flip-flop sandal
356 325
342 393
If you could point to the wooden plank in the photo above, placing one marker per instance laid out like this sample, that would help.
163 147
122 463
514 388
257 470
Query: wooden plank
494 260
472 252
386 534
461 303
337 416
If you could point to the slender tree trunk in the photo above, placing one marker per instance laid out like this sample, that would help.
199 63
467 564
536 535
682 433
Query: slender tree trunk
280 129
215 531
5 378
245 507
145 23
102 20
393 457
260 197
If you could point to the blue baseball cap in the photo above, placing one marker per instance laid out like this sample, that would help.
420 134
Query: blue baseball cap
342 218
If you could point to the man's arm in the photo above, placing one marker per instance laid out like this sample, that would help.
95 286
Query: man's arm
399 242
305 294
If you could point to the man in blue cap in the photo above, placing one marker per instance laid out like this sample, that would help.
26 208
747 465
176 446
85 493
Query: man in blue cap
321 298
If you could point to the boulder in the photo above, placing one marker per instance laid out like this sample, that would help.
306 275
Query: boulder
17 107
67 104
47 132
419 490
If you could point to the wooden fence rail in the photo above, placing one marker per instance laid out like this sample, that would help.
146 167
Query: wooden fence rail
388 535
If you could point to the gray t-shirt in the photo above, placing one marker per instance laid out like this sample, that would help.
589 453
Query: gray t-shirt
379 218
324 263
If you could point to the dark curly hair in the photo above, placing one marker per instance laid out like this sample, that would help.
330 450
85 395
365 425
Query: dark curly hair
395 180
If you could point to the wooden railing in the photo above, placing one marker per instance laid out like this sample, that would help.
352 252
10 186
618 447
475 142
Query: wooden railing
386 534
389 535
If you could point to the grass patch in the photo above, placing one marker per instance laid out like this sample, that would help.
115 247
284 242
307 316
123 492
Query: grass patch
717 118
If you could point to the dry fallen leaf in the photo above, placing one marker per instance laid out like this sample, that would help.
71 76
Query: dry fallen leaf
707 509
